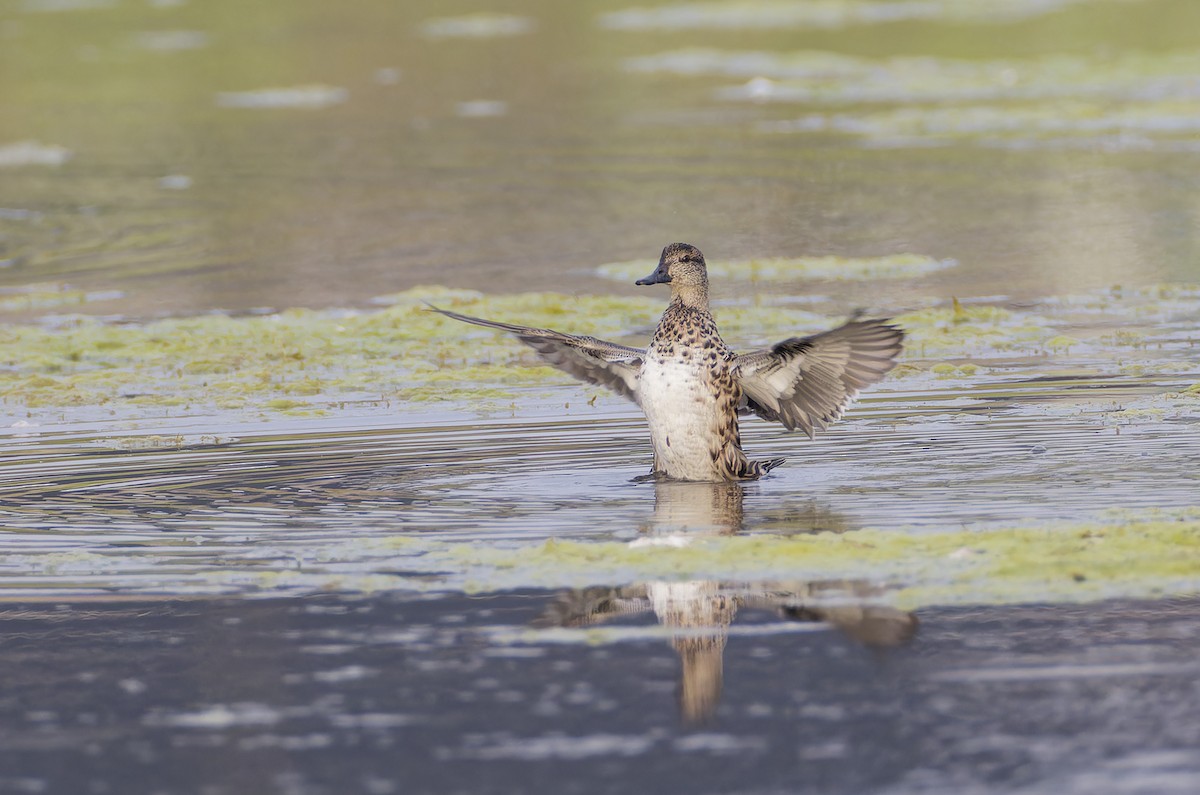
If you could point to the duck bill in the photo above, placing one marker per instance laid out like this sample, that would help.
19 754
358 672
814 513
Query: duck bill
658 277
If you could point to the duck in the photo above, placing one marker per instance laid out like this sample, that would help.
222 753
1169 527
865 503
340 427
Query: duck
693 388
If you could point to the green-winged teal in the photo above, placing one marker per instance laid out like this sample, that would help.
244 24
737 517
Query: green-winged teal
692 387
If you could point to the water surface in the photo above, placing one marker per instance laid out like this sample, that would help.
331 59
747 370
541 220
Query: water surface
376 167
266 525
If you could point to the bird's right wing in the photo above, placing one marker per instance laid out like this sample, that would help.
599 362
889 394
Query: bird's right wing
595 361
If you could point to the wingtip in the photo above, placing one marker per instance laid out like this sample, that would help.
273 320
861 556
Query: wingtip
446 313
895 332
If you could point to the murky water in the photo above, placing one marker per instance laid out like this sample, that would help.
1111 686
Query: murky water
248 548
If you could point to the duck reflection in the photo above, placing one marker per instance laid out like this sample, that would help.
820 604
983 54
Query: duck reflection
697 508
701 611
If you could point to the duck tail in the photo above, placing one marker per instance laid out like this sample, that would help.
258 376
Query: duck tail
759 468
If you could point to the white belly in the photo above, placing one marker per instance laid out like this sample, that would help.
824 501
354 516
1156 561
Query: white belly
681 410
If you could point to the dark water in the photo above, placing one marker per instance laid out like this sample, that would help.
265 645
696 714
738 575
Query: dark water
330 695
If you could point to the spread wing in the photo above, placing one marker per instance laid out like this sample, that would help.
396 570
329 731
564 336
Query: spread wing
587 358
807 382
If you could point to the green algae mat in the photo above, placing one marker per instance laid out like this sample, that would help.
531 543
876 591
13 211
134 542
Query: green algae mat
315 361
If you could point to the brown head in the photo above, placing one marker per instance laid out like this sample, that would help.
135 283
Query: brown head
681 266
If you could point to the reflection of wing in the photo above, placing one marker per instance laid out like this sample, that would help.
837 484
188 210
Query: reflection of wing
587 358
589 606
872 625
807 382
848 605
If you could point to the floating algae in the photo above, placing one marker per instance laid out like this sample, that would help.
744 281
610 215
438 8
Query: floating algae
35 297
303 362
477 26
785 269
293 360
1116 557
1144 124
1058 562
1131 100
820 14
823 77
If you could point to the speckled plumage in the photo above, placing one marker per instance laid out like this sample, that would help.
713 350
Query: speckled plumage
689 390
692 387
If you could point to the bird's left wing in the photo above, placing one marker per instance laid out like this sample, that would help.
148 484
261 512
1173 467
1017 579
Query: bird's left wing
595 361
808 382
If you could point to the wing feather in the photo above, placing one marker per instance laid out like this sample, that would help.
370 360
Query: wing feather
806 383
595 361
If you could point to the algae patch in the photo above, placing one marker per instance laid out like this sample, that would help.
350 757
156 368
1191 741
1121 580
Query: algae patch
1158 327
785 269
820 14
304 363
155 442
1132 100
1065 562
1154 555
477 26
818 76
36 297
973 331
297 360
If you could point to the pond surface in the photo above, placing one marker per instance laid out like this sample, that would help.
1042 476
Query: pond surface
268 525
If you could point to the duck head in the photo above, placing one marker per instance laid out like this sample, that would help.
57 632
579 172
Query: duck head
681 264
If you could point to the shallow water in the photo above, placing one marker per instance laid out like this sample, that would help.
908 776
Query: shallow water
353 507
246 547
